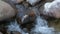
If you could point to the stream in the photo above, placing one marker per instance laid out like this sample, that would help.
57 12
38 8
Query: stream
40 27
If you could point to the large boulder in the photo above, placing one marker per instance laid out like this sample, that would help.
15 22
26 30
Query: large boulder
52 9
6 11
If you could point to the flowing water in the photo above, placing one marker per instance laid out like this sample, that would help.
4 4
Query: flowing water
14 26
41 27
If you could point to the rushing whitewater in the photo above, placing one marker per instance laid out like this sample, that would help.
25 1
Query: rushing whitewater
15 27
32 2
41 27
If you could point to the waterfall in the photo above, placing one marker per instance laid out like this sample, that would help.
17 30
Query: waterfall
41 27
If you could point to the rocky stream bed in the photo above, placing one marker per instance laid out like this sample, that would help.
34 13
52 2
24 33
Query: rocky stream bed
27 17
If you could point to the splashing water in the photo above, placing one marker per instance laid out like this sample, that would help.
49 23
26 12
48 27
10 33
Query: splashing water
32 2
41 27
15 27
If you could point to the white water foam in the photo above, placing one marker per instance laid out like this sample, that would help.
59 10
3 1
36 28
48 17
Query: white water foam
41 27
15 27
32 1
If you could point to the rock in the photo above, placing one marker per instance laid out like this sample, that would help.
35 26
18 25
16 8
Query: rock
13 1
6 11
26 4
17 1
52 9
33 2
30 16
25 15
0 33
15 32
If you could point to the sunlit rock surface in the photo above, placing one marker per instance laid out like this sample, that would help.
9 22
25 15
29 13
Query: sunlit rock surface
52 9
6 11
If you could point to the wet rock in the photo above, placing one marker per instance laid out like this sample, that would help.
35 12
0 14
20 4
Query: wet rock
33 2
17 1
13 2
15 32
25 15
0 33
30 16
26 4
52 9
8 32
6 11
